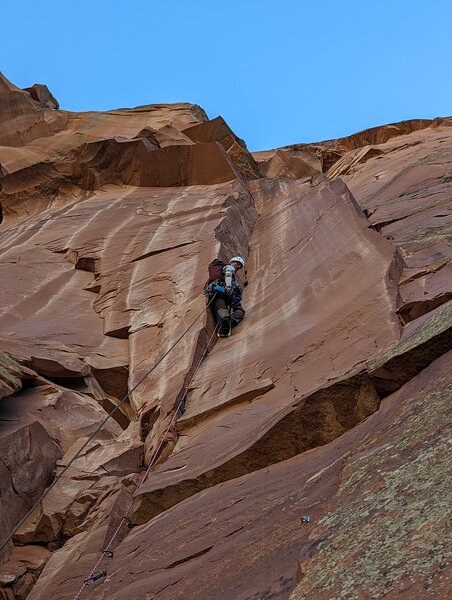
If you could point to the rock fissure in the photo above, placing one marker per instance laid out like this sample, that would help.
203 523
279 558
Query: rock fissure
316 420
235 228
153 252
301 412
11 480
187 558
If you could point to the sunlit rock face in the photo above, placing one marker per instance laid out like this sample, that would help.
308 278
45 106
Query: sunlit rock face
327 401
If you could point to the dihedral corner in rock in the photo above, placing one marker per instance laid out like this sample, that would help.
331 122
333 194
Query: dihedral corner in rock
303 456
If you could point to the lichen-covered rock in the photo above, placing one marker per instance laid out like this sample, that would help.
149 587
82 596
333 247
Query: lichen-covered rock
110 220
392 495
377 503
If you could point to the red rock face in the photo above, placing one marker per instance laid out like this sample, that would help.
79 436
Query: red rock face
326 402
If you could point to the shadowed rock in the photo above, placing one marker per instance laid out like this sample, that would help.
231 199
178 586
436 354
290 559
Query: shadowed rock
11 375
376 498
293 165
22 119
284 339
217 130
28 458
327 400
42 94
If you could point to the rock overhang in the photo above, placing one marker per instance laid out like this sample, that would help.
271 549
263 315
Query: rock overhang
337 319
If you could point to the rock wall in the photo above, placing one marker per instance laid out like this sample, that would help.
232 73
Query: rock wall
327 402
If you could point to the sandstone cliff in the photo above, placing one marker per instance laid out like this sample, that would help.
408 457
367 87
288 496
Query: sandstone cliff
329 401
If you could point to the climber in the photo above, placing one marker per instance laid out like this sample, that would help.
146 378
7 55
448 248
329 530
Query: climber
226 294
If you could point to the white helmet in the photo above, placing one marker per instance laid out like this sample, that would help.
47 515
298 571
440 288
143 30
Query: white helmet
238 259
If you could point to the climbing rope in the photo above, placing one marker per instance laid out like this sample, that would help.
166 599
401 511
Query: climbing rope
93 576
91 437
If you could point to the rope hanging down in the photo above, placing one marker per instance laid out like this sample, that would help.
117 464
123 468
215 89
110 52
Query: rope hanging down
91 437
107 552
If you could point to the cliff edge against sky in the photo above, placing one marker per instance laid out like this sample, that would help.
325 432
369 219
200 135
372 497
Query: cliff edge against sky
329 401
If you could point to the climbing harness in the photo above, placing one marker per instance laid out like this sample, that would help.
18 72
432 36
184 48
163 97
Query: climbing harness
107 553
91 437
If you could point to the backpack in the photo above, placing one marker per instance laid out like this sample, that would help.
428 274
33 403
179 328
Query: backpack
215 270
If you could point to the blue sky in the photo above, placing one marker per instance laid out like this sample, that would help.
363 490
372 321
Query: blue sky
278 72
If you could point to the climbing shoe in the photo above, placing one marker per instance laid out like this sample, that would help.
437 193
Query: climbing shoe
224 328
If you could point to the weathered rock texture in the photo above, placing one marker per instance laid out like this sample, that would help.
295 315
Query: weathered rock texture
329 400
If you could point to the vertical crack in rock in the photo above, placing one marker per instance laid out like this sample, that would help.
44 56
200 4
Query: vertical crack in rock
232 236
315 420
287 424
132 205
398 448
